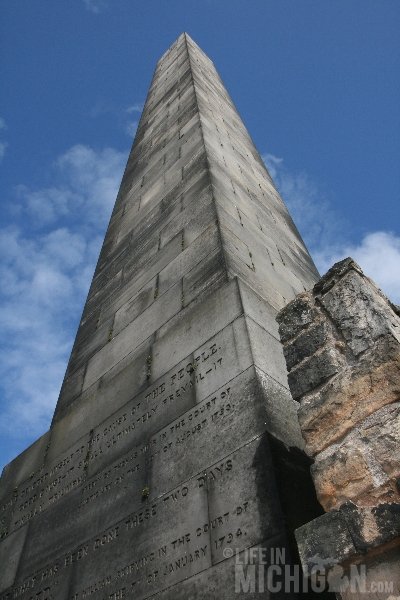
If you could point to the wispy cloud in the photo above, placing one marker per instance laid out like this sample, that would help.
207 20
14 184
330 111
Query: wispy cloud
308 204
328 236
131 128
86 180
96 6
135 108
45 275
100 108
127 118
3 144
3 147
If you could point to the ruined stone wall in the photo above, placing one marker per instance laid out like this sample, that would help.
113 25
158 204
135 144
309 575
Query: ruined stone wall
342 348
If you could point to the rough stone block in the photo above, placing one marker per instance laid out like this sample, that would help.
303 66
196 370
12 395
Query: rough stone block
307 343
324 542
331 412
360 312
296 316
316 370
364 466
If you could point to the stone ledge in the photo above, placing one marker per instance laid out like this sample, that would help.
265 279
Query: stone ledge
347 533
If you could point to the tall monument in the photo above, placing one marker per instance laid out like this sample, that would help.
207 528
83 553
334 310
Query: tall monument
174 445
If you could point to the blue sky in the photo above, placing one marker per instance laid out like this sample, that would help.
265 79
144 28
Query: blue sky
315 81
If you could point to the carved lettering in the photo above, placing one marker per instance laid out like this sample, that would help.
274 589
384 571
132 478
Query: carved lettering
106 538
185 560
141 517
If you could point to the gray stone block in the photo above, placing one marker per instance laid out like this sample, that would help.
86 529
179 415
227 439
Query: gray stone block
201 247
205 277
258 309
281 411
237 487
193 326
10 554
22 467
135 333
157 546
227 419
112 391
53 534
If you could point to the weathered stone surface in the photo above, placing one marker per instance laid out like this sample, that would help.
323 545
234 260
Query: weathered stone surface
360 312
353 535
341 344
174 430
329 414
281 411
315 371
22 467
326 541
382 579
10 554
307 343
219 581
372 527
344 368
297 316
365 465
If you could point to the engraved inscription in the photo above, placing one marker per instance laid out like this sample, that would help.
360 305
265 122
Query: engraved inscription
173 395
134 564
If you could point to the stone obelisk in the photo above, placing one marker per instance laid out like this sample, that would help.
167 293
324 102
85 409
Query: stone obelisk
174 445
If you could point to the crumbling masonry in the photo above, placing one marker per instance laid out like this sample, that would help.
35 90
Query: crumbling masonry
342 349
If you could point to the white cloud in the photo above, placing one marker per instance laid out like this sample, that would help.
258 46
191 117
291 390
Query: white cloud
86 184
328 237
378 254
127 117
100 108
45 275
96 6
308 205
38 306
131 128
135 108
3 145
